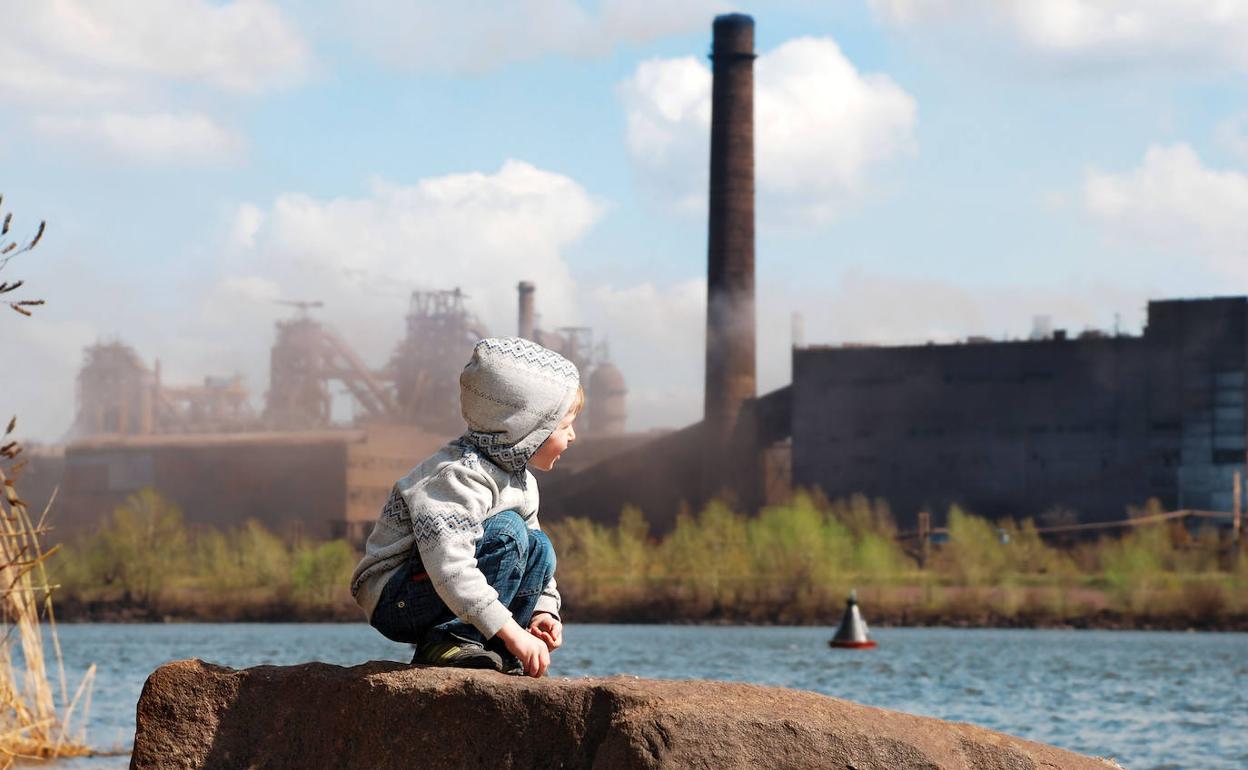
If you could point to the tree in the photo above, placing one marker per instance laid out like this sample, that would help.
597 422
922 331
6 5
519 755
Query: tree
143 544
322 569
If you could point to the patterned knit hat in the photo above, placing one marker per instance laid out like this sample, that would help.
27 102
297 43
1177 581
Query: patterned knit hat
513 393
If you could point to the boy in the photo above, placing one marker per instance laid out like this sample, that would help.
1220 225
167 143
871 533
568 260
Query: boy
456 563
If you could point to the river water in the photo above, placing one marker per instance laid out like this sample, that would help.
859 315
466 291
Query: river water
1151 700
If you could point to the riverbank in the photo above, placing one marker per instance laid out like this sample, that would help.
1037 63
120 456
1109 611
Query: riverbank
793 564
1202 606
881 615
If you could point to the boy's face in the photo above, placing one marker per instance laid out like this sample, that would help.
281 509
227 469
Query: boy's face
562 437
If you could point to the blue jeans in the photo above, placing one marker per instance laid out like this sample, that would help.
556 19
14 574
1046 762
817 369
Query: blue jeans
517 561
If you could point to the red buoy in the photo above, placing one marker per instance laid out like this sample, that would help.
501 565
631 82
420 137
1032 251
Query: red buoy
852 633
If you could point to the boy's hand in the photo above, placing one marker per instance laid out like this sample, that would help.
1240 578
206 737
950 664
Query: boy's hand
547 628
527 648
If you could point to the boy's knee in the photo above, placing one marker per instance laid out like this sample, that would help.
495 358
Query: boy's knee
509 525
541 549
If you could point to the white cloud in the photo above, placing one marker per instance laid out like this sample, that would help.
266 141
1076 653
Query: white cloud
100 72
484 232
1173 202
426 35
363 257
30 77
85 49
248 219
148 138
821 127
668 109
1095 32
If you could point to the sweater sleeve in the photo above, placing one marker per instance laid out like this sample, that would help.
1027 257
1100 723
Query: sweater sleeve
549 601
447 512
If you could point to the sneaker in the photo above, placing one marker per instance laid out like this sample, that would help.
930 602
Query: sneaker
458 654
511 665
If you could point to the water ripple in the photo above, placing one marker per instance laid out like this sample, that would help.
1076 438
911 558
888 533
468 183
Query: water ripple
1152 700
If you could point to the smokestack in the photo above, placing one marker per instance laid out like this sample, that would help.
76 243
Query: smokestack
526 289
730 368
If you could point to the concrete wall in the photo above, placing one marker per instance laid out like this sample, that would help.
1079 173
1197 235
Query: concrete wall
319 484
39 479
384 455
292 483
658 476
1197 388
680 470
1016 428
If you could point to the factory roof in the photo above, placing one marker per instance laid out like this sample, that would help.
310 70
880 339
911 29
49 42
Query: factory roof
119 441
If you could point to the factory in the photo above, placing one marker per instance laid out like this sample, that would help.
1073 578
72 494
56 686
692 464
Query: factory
1077 427
739 451
1055 424
1083 425
289 465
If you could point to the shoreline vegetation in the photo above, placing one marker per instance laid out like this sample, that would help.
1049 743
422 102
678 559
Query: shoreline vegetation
794 564
39 718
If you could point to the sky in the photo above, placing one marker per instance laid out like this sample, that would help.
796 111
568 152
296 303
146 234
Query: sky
926 170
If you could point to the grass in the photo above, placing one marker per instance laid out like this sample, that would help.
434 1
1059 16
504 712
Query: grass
144 563
795 563
31 727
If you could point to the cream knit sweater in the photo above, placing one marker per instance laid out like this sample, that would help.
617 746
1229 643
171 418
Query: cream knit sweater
513 394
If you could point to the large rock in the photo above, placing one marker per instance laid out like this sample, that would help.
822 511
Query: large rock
198 715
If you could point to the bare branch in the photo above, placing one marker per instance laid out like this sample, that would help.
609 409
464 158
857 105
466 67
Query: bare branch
9 250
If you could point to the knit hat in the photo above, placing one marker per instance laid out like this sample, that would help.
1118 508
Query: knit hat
513 394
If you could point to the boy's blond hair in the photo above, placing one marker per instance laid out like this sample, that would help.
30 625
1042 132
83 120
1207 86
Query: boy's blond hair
578 403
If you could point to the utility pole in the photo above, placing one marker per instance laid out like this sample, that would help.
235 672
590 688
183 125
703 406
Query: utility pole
925 538
1236 512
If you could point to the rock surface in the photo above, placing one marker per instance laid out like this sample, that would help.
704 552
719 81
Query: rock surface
198 715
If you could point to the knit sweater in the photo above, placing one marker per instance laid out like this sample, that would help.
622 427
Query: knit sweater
513 394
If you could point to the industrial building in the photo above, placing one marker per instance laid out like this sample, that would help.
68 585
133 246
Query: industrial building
289 466
732 452
1080 427
1073 427
311 483
1086 424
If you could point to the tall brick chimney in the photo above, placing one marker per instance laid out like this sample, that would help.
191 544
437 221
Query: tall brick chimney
730 366
525 326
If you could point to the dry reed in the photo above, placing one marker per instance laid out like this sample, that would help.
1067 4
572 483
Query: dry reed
30 725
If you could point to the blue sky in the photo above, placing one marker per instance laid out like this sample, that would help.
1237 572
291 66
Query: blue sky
927 169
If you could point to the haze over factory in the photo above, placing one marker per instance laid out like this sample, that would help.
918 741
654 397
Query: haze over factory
1085 423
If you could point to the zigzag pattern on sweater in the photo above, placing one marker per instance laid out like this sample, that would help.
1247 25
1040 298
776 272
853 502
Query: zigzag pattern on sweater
395 509
430 526
508 456
533 354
